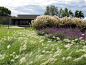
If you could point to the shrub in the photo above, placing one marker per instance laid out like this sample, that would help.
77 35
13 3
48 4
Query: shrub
55 21
64 22
45 21
62 33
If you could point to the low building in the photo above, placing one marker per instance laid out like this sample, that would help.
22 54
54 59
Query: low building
19 20
22 19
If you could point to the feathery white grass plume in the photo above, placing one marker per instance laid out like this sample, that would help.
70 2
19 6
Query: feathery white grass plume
22 60
8 46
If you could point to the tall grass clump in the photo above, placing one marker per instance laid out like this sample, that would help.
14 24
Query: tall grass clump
73 22
45 21
55 21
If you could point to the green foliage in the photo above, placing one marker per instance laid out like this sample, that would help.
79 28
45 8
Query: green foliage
4 11
51 10
79 14
71 13
65 12
30 49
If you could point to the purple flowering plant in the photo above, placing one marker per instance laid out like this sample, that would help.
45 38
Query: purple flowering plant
62 33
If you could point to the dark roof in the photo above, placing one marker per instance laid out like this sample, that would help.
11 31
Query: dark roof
27 16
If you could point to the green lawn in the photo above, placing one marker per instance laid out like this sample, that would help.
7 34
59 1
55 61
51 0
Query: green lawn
4 31
25 47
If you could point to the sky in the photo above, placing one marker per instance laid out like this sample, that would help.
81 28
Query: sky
38 7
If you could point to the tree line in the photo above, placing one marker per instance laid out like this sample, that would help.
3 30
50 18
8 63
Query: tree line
52 10
4 11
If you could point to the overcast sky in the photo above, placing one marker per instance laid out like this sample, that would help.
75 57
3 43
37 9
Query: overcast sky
39 6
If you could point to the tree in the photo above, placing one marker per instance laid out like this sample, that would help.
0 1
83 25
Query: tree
79 14
4 11
71 13
65 12
51 10
60 12
47 12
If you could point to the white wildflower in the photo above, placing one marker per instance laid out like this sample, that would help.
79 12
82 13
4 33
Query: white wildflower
45 47
48 51
43 51
80 38
12 60
39 50
73 42
22 60
58 51
31 62
84 50
13 52
53 36
84 47
49 41
2 56
76 39
63 58
8 46
45 62
69 57
56 55
49 60
77 59
30 54
41 40
83 34
66 40
42 32
84 55
52 49
58 38
68 46
50 55
40 56
24 46
16 57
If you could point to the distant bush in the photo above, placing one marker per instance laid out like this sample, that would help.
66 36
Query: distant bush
55 21
45 21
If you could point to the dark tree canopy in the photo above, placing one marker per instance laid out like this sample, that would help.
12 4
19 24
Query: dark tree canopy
51 10
79 14
4 11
